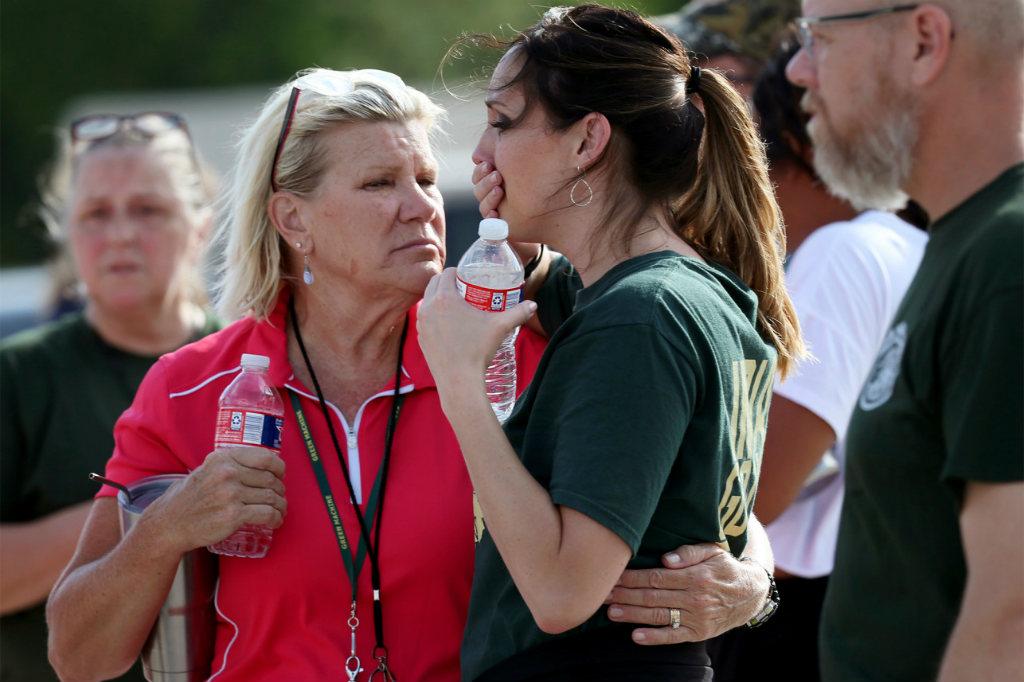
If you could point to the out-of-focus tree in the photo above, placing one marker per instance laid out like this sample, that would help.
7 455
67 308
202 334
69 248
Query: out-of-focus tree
52 51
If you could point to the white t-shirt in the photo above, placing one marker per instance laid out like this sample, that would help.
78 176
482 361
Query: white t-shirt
845 281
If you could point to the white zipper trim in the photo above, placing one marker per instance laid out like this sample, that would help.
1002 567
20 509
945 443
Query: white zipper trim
352 433
236 369
227 650
204 382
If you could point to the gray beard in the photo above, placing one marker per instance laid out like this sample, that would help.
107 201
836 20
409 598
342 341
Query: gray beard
871 170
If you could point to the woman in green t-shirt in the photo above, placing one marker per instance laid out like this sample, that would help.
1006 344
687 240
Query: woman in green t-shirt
129 202
643 427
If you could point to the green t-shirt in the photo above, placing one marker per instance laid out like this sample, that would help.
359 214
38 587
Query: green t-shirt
61 390
941 407
647 413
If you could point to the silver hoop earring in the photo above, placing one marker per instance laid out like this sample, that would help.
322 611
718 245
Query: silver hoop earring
307 274
587 190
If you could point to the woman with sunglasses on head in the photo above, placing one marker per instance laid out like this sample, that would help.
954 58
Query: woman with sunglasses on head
130 206
334 227
644 423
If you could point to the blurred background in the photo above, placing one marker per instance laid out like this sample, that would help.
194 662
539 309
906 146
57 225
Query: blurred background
214 61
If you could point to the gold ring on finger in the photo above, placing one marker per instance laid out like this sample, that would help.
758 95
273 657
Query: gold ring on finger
675 618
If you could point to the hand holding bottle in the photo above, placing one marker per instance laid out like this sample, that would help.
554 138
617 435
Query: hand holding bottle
233 487
459 340
249 413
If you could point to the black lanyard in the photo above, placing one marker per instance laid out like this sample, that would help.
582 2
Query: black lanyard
375 504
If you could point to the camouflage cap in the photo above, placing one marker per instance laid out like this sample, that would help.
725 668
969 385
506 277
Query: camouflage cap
749 28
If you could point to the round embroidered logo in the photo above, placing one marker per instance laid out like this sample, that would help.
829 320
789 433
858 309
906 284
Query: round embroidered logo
879 385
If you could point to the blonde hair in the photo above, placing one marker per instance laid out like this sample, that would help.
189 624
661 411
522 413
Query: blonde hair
191 175
251 269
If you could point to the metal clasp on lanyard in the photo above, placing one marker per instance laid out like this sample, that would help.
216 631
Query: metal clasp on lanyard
352 664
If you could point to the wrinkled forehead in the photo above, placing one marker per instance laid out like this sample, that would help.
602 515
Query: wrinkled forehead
165 164
357 146
122 169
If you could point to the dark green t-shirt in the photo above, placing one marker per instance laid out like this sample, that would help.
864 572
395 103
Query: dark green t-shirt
61 390
647 413
941 407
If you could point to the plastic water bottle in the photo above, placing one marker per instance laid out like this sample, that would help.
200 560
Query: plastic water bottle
490 277
250 413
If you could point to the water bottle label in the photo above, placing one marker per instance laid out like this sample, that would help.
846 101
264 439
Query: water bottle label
489 300
247 427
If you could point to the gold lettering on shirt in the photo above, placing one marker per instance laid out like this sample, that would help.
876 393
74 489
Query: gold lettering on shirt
748 421
478 519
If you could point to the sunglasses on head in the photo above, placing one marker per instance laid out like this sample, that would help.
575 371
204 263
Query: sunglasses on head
149 123
329 84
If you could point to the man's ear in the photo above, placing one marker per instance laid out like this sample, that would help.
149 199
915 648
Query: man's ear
591 135
932 41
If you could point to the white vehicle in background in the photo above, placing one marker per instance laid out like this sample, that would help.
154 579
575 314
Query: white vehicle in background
23 296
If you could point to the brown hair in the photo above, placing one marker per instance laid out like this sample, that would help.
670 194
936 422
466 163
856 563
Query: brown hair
706 168
780 120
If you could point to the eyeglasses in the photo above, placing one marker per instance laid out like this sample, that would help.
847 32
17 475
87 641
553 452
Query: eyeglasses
329 84
805 35
149 123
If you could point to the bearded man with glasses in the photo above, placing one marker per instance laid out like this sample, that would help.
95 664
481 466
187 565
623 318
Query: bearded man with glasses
927 101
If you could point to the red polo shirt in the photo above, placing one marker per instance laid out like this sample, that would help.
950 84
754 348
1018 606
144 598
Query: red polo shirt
283 617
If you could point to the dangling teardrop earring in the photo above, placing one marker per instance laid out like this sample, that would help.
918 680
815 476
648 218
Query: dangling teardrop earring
587 191
307 274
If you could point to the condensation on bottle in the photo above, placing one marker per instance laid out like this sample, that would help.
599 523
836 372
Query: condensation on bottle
250 413
490 277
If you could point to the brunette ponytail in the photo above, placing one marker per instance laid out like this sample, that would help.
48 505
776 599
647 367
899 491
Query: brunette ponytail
730 215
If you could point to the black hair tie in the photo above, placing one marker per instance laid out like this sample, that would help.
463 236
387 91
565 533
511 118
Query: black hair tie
694 81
